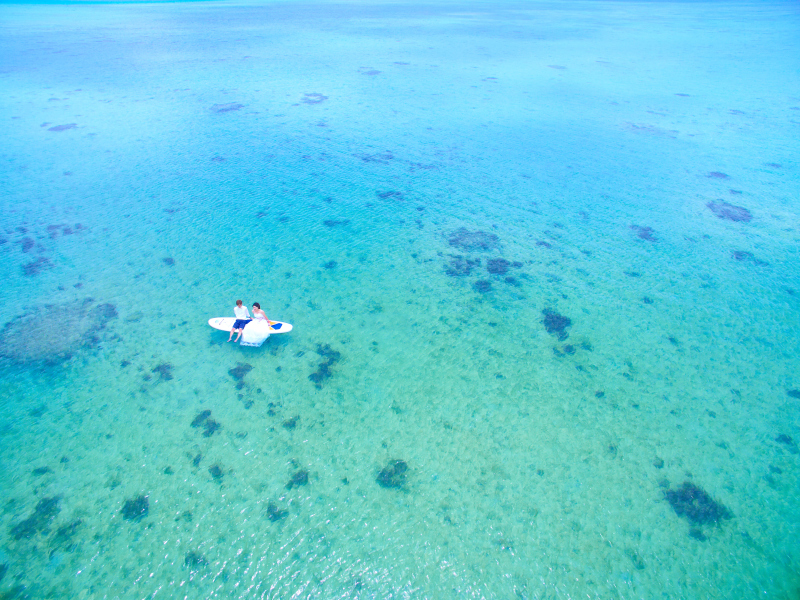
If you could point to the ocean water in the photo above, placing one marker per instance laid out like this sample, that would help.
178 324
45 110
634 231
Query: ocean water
541 260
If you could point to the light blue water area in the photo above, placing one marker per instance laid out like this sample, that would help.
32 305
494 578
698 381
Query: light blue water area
541 259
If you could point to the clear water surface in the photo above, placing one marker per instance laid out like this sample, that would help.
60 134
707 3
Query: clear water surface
542 263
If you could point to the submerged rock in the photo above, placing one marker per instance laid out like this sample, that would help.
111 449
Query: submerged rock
53 333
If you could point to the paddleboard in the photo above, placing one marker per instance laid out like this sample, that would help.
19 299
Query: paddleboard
225 324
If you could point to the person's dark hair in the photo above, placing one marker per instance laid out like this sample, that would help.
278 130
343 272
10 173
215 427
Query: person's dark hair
238 303
256 304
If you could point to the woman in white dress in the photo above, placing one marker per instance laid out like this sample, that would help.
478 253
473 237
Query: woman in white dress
259 314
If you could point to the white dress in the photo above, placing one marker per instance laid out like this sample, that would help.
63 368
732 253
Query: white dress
256 331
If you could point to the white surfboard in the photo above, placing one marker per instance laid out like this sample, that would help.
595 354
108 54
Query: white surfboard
225 324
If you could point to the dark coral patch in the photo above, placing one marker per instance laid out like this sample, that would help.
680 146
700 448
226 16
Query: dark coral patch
107 310
646 233
63 127
223 108
298 479
696 505
383 158
744 256
30 339
556 324
544 244
37 266
164 371
787 441
497 266
323 371
216 473
194 560
460 267
697 534
793 393
200 418
291 423
718 175
136 509
471 241
313 98
393 475
730 212
240 370
274 513
335 223
331 264
390 194
211 428
484 286
65 534
45 511
169 261
27 244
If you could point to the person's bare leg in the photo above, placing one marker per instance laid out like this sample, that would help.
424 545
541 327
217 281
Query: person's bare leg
231 335
238 336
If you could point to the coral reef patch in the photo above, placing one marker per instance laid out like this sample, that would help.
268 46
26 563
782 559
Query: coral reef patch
52 334
393 475
298 479
696 505
211 428
336 223
471 241
240 370
216 473
313 98
200 418
164 370
135 509
323 371
45 511
556 324
194 560
483 286
461 267
645 233
274 513
228 107
497 266
730 212
37 266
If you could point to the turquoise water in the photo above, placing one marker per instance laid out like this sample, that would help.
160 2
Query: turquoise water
422 190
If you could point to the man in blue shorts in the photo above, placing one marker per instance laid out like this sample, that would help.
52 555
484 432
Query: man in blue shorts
242 319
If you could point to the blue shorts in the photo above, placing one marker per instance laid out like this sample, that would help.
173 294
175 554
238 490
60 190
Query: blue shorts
240 323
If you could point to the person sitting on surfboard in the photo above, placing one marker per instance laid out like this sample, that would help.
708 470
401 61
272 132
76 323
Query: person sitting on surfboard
259 314
242 319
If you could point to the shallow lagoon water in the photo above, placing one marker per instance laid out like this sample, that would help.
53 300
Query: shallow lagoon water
359 171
